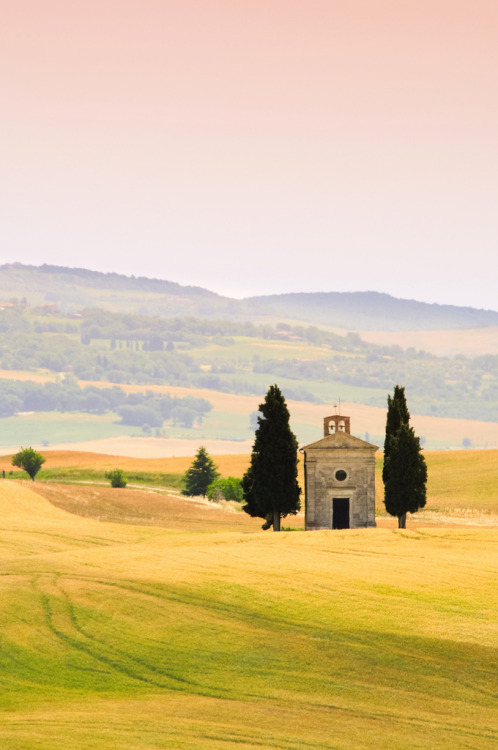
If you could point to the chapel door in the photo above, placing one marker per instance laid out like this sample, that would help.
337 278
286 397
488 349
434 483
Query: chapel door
340 513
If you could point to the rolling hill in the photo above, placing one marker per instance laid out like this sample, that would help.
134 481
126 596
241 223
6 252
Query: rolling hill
232 347
75 288
143 637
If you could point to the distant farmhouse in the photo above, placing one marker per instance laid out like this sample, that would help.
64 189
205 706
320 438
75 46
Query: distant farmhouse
339 475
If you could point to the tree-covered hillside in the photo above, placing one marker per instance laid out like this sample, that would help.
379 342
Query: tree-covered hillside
309 363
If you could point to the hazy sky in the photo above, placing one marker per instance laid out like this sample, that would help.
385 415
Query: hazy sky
255 146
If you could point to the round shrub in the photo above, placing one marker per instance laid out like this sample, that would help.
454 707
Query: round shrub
225 489
116 478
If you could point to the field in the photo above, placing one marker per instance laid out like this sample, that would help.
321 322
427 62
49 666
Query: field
47 428
471 341
229 421
462 485
228 465
203 632
364 418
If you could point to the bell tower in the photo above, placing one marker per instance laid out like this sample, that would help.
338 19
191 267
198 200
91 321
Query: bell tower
336 423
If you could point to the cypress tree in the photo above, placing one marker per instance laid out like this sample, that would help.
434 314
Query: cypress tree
270 484
397 414
405 488
404 472
201 474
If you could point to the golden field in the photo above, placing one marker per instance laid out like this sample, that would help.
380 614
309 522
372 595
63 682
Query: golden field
446 343
465 482
141 637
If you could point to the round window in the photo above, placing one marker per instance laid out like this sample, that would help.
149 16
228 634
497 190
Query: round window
340 475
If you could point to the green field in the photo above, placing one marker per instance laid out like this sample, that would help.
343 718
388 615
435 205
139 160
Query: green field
328 392
56 427
137 638
245 348
47 428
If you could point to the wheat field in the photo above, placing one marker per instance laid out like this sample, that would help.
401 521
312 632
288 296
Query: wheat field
465 482
140 637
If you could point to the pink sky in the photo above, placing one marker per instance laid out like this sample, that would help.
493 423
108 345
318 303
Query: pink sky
256 147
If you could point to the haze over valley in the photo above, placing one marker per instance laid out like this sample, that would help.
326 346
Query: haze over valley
89 356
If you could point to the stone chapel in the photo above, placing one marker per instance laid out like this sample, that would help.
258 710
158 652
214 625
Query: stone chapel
339 477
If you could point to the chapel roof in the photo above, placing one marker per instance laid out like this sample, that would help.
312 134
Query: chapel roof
340 440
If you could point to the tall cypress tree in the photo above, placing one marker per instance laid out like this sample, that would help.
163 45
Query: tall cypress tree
404 472
270 484
405 488
397 414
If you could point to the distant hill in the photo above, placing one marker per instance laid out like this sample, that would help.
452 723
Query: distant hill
75 288
371 311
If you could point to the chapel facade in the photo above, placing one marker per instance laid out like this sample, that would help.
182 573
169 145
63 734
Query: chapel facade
339 476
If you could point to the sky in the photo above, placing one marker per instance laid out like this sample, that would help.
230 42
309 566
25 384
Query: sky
255 146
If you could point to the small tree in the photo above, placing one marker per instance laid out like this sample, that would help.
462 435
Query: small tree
29 460
270 484
404 472
200 475
116 478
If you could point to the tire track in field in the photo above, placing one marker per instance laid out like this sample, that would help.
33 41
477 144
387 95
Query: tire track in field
50 594
124 654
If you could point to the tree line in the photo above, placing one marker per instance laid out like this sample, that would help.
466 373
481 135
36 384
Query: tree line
133 408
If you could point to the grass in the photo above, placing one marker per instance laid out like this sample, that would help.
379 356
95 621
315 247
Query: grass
326 391
76 474
245 348
144 637
81 461
217 425
76 467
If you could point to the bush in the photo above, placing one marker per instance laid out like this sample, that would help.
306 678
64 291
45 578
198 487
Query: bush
116 478
225 489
